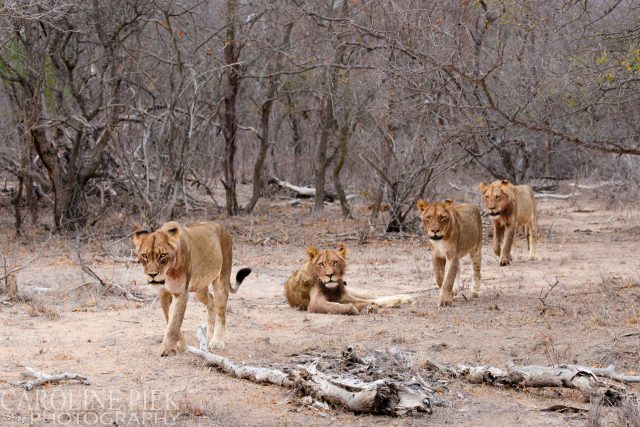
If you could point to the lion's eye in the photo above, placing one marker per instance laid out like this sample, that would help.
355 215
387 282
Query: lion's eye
163 257
334 262
143 258
497 197
428 218
321 264
443 218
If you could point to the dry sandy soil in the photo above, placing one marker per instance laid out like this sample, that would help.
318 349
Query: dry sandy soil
591 317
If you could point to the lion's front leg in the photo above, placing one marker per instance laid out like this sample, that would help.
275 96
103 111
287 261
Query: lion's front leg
359 303
318 303
446 291
509 235
498 235
165 302
173 341
439 265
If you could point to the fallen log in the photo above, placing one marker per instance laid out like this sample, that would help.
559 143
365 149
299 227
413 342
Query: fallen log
555 196
301 192
576 377
382 396
42 378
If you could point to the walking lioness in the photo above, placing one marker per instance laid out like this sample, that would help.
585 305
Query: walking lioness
510 206
183 259
454 231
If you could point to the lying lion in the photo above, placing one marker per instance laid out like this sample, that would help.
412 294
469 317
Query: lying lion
319 286
510 206
183 259
454 231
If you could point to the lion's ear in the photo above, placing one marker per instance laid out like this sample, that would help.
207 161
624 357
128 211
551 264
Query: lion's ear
505 182
342 250
422 205
448 203
172 228
312 252
483 187
138 237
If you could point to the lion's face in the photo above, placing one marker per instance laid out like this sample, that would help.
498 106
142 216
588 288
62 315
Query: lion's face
328 265
494 197
157 253
436 218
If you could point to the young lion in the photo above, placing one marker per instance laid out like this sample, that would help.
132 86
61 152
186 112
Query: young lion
319 286
510 206
454 231
183 259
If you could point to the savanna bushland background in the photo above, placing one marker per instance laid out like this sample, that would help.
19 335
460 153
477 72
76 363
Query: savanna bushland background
116 114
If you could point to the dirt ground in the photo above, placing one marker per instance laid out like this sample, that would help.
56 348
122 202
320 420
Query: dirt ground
578 303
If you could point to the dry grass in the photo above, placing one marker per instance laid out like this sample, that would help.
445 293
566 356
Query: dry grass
37 308
188 407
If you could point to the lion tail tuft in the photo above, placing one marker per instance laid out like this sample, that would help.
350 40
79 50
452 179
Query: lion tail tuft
240 276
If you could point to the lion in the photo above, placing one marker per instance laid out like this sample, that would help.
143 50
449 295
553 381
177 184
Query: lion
182 259
510 206
319 286
454 231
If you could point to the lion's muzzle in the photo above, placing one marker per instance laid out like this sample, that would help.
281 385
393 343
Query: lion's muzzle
435 237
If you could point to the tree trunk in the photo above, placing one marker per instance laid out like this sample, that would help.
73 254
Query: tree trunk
265 124
230 127
262 154
548 146
296 139
386 148
345 133
321 156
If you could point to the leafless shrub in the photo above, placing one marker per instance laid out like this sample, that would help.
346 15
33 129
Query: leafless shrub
629 412
546 306
595 415
9 286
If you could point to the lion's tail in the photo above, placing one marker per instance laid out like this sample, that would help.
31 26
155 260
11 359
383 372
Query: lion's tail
240 276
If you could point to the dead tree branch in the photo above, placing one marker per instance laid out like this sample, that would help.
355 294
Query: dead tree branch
42 378
117 289
382 396
576 377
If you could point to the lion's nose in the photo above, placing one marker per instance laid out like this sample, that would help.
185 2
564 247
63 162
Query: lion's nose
152 275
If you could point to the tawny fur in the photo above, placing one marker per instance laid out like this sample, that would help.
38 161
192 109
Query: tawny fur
183 259
319 286
510 206
454 231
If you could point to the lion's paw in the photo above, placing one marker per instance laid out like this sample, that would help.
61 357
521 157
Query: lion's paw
216 345
169 349
370 309
505 261
406 299
445 301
